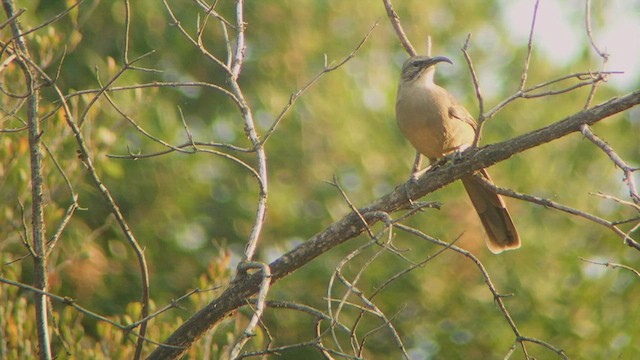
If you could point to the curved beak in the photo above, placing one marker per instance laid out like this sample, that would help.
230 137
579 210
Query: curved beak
436 59
417 64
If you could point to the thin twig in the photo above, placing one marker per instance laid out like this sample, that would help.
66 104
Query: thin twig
326 69
317 342
603 55
496 295
525 67
11 18
85 157
591 77
193 41
172 305
554 205
125 328
617 160
353 289
158 84
45 23
103 89
209 9
612 265
631 204
395 277
38 240
476 86
259 309
351 226
587 19
252 134
560 352
198 145
351 206
140 128
395 22
5 64
62 225
24 234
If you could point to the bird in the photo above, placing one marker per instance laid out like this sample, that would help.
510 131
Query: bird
437 125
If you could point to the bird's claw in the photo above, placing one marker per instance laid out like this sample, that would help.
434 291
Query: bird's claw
455 155
412 181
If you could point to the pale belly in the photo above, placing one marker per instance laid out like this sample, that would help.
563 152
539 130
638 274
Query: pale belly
437 135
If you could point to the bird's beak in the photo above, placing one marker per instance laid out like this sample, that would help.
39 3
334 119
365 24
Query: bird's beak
436 59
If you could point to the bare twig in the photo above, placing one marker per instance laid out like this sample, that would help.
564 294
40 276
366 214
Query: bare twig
326 69
631 204
24 231
603 55
353 208
498 298
196 145
62 225
554 205
125 328
343 300
386 324
617 160
392 279
5 64
241 46
11 18
210 11
44 24
193 41
587 19
585 79
525 67
395 22
317 342
249 125
496 295
140 129
157 84
560 352
38 240
103 89
411 268
511 350
248 332
612 265
476 86
353 289
351 225
85 156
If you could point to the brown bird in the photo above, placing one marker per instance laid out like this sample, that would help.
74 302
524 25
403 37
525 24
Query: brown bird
437 125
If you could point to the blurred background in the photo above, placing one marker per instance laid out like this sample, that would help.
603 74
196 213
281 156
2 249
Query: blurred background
193 213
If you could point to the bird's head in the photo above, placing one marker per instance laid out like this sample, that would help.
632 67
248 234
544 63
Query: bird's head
416 65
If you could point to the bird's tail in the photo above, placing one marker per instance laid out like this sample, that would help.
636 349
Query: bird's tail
501 232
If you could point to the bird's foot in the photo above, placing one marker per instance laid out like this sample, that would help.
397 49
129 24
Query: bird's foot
413 180
455 155
410 182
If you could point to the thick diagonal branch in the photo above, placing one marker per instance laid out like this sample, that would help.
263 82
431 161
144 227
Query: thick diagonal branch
352 225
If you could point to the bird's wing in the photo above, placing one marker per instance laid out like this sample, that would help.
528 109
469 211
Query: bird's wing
457 111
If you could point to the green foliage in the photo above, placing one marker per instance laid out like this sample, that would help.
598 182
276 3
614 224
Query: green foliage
193 212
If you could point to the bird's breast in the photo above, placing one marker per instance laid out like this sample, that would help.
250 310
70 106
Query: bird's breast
423 116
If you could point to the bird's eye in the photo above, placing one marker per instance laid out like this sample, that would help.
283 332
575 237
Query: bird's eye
415 64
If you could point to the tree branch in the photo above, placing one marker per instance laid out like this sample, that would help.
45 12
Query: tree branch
351 225
39 252
395 21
